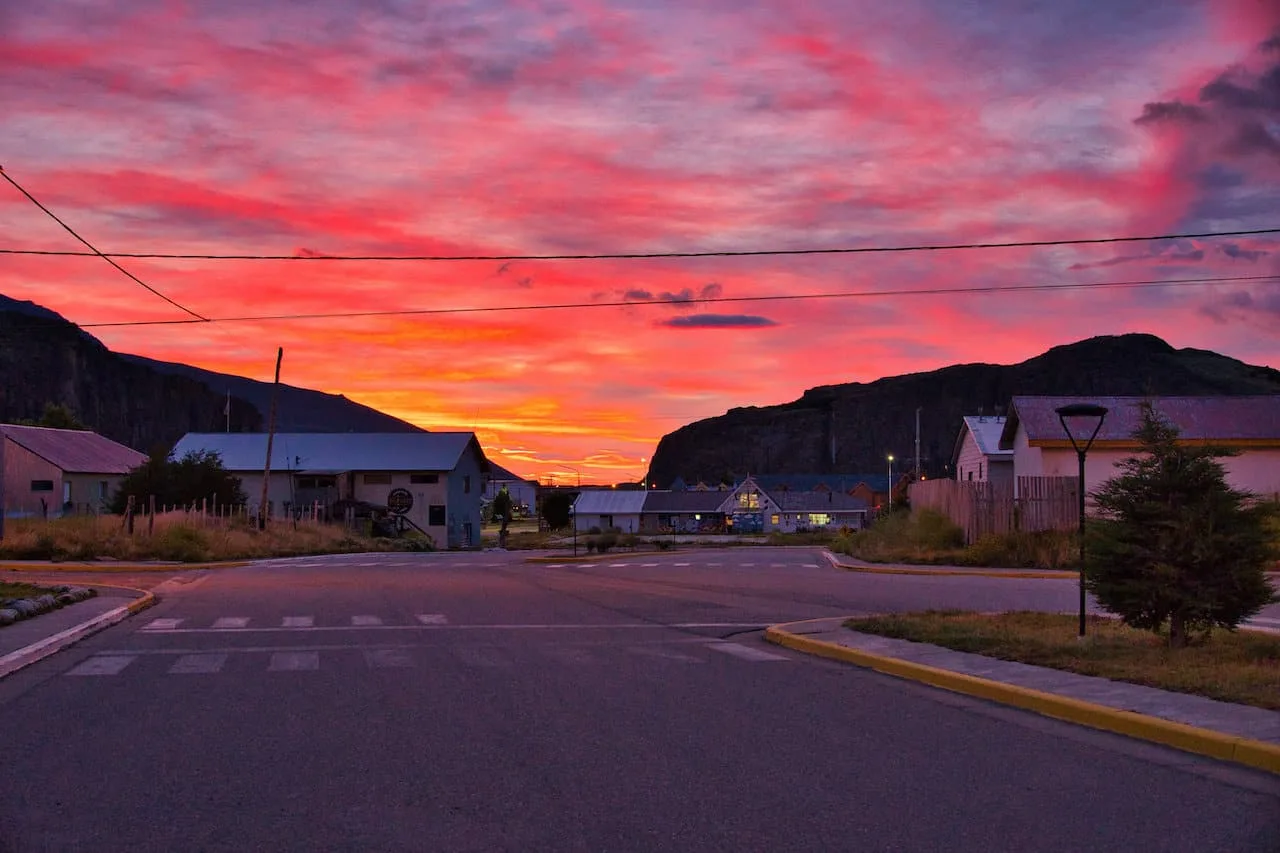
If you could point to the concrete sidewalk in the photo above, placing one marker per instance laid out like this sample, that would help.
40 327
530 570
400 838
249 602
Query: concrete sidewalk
1224 730
23 643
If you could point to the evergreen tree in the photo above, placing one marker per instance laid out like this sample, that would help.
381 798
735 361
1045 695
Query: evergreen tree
1176 544
182 482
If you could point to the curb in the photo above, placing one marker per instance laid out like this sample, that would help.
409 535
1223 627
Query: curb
108 568
1039 574
1252 753
42 649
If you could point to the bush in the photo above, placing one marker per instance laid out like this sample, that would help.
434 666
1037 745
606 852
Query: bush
182 543
1045 549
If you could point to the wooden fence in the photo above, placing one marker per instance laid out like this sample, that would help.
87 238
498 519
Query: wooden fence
983 508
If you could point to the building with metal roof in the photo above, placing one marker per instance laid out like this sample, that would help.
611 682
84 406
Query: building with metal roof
977 455
49 471
609 508
1041 447
435 478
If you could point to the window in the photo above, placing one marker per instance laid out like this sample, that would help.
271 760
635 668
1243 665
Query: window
979 470
749 500
377 479
424 479
323 482
773 519
819 519
435 515
103 488
970 475
42 485
466 484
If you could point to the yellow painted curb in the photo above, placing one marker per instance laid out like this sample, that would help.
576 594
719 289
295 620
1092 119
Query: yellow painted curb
1040 574
108 568
1253 753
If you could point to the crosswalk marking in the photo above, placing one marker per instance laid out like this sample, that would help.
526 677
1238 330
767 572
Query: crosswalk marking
298 622
387 658
198 664
102 665
617 565
648 565
810 565
683 565
231 622
745 652
162 624
293 661
366 621
433 619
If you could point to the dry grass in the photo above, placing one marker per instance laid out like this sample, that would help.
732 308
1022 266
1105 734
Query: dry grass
21 590
930 538
179 537
1239 667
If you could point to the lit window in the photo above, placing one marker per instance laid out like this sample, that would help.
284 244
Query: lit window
773 519
749 500
819 519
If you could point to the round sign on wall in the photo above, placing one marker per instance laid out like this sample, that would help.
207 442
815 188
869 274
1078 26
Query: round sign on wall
400 501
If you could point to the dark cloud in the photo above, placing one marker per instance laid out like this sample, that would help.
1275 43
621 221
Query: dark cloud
1231 250
1159 111
718 321
1176 257
1261 305
637 295
1251 137
711 290
526 281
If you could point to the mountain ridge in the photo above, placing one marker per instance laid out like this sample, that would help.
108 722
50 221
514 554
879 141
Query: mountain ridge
852 427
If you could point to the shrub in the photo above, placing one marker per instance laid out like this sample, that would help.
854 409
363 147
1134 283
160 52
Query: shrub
180 542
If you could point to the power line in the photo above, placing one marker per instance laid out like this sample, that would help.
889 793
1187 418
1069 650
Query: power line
850 294
848 250
93 251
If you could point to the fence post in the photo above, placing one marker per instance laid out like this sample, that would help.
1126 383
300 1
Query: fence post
128 514
151 516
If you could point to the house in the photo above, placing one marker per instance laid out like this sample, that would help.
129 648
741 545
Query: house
751 508
690 511
1251 425
609 508
978 455
873 489
803 511
441 472
524 493
56 471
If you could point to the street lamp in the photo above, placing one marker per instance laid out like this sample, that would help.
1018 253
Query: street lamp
1082 415
576 472
644 464
889 498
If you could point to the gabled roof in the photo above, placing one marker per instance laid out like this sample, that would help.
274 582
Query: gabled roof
75 451
819 502
1225 420
335 453
684 502
986 431
609 502
778 483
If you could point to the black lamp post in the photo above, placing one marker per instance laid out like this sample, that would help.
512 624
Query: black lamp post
1082 414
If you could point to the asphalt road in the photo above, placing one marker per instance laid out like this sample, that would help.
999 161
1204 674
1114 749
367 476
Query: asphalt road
473 702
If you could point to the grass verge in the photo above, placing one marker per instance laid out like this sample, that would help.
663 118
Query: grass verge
183 538
21 590
930 538
1241 667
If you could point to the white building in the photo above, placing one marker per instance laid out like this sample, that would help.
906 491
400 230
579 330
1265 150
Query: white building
442 472
977 455
609 508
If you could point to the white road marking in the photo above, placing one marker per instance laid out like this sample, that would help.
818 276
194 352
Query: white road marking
102 665
683 565
810 565
231 622
433 619
198 664
602 626
617 565
294 661
745 652
387 658
298 621
665 654
479 656
162 624
366 621
745 565
555 565
648 565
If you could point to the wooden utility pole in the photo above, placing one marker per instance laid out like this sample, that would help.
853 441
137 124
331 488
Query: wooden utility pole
271 434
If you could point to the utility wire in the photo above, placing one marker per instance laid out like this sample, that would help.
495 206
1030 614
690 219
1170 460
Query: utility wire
933 291
93 251
848 250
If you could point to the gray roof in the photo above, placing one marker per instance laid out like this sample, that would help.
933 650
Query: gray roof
986 431
609 502
75 451
818 502
684 502
335 453
1217 419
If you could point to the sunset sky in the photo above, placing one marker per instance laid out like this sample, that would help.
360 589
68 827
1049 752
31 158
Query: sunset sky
517 127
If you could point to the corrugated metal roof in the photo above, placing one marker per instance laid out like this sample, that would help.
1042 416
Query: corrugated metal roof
609 502
334 452
1223 419
678 502
817 502
75 451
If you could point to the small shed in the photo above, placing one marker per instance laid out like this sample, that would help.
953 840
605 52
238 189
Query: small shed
609 509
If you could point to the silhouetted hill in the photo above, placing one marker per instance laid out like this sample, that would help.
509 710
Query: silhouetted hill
144 403
852 427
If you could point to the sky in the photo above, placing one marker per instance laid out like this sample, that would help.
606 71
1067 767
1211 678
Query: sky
522 127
